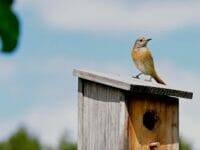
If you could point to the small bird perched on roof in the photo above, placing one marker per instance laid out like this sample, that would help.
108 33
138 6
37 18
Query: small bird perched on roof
143 59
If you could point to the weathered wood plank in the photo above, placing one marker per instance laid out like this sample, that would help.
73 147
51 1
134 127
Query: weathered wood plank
80 113
99 121
131 84
102 78
123 145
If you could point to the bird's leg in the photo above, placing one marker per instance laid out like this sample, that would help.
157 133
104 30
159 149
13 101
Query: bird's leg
137 76
150 79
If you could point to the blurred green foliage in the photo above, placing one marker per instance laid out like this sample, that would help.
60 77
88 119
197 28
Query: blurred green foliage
22 140
65 144
9 26
184 145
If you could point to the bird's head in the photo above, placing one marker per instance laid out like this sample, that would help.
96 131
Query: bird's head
141 42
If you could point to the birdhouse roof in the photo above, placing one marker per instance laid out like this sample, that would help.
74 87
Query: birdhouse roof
131 84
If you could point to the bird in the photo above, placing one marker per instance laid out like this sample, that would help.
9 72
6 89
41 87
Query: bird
143 59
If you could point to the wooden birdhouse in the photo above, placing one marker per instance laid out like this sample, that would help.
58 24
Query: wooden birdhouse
117 113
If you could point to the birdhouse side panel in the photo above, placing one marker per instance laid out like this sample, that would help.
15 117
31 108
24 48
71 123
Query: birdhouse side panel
99 116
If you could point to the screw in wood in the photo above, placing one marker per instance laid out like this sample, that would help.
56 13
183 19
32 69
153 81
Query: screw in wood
154 146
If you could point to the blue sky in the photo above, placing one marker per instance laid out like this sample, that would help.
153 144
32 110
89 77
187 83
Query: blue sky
37 86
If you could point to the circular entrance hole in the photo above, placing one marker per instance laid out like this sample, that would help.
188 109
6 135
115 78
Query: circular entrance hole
149 119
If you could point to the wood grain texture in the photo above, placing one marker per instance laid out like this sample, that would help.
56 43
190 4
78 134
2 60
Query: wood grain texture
132 84
99 117
165 130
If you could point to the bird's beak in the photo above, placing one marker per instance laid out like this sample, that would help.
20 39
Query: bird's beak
149 40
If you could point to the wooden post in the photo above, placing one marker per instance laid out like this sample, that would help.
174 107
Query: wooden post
117 113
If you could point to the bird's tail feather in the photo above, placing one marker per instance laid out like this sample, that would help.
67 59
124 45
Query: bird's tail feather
158 79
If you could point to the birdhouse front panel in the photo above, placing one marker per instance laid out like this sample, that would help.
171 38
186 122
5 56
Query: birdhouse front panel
153 122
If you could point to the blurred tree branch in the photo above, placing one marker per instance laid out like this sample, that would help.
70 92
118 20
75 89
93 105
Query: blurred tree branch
9 26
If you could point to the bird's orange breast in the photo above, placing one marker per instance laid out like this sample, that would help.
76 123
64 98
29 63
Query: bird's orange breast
143 60
140 55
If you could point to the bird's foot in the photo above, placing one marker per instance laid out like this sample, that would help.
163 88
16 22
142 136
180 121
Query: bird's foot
136 77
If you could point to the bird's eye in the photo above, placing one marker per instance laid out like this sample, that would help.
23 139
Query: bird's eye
141 40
